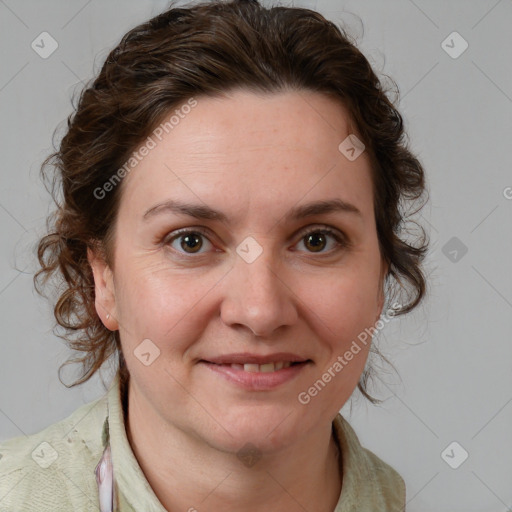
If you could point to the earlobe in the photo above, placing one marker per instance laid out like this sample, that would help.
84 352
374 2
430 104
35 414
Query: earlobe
104 290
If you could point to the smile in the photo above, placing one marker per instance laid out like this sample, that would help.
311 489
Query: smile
262 375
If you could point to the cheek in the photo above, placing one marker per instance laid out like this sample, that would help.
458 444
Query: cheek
345 311
162 305
341 305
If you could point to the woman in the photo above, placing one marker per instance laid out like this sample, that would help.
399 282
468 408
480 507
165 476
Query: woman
232 185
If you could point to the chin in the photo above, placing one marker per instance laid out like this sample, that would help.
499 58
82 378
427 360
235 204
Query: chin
268 429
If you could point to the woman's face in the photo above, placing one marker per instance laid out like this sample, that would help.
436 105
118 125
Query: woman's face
249 275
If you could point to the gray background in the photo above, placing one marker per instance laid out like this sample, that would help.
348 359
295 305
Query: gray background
453 354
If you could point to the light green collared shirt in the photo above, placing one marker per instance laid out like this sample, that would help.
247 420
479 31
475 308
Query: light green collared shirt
53 470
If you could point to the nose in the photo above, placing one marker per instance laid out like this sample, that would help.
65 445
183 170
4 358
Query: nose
258 297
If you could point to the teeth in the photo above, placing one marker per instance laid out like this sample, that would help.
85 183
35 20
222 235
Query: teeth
267 368
263 368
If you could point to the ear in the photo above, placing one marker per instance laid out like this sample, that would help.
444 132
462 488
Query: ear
105 299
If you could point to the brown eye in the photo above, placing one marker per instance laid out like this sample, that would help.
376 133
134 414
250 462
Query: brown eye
323 240
188 241
316 241
191 243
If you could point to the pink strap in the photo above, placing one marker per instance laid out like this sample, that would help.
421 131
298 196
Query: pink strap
105 479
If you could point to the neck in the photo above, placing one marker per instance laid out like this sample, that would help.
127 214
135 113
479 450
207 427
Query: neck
303 476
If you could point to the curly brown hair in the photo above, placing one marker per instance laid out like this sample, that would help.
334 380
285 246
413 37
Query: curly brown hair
208 49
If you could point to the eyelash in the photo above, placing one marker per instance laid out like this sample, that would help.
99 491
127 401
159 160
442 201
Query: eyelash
338 237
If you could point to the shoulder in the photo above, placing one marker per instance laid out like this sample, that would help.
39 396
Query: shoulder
54 469
368 475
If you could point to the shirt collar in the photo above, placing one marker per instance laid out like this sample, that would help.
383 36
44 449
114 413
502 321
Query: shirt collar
131 484
369 484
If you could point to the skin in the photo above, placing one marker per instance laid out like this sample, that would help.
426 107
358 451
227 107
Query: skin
254 158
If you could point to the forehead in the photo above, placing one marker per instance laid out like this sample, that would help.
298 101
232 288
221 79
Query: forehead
241 120
245 148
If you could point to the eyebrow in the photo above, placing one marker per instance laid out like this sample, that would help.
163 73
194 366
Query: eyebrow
206 213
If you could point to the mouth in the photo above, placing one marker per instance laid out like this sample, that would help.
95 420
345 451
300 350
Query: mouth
261 368
255 363
254 372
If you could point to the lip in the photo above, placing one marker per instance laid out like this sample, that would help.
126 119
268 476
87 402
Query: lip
246 357
256 381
